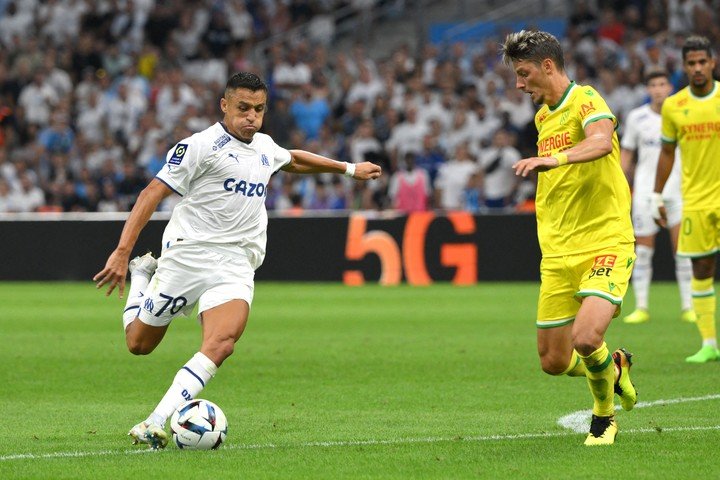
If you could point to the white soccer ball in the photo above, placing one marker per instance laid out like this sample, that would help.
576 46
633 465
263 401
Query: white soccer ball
199 425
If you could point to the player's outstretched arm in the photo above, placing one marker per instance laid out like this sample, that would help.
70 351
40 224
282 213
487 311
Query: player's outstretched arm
308 162
117 264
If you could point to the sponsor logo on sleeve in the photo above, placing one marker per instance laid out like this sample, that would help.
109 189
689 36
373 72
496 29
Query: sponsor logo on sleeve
220 142
586 109
178 154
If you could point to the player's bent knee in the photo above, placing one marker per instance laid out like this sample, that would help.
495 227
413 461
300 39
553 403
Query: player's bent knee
138 347
553 365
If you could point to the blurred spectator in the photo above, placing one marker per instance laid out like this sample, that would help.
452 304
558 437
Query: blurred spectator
91 118
473 193
364 142
339 195
407 136
452 178
157 160
351 119
320 198
309 110
291 72
583 18
241 22
430 157
28 197
611 27
37 99
132 183
15 24
366 88
58 137
218 36
499 180
279 122
409 189
108 198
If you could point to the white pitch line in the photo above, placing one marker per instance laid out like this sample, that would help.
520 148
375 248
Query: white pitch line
578 421
356 443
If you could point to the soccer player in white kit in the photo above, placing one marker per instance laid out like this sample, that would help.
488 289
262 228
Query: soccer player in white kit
642 136
213 243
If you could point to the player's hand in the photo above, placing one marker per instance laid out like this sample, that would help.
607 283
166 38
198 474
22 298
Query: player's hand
367 171
657 208
537 164
114 273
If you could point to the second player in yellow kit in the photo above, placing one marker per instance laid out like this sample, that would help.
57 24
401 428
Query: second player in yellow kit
584 227
691 121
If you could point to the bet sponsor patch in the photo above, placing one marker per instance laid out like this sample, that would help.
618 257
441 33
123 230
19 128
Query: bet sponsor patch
178 154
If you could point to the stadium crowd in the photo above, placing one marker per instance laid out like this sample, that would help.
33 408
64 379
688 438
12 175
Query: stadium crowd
93 94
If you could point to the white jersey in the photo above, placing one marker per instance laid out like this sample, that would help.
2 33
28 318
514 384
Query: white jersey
223 182
642 135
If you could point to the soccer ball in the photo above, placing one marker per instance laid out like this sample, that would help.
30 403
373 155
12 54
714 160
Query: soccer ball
199 425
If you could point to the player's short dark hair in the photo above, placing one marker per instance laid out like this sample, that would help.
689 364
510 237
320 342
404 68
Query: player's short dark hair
533 46
653 74
696 43
246 80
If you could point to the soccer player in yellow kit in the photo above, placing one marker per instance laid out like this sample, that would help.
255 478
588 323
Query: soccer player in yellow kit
584 227
691 120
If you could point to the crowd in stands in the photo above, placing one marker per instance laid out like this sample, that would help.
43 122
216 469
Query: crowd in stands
94 93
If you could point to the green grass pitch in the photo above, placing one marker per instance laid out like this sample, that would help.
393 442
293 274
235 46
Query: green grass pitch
337 382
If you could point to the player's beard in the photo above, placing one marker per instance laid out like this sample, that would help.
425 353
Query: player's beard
699 81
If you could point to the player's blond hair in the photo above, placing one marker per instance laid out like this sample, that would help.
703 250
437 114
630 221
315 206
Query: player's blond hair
533 46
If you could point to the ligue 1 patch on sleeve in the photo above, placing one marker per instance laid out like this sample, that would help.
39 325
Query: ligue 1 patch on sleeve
178 154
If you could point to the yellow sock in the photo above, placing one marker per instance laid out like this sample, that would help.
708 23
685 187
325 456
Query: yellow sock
704 301
576 367
600 377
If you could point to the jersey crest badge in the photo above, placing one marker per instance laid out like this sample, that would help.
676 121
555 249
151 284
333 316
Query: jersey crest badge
178 154
264 160
149 305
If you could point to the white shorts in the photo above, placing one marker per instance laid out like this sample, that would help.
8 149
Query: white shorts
642 219
197 273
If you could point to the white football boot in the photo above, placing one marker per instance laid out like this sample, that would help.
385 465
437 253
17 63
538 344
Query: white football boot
144 265
154 435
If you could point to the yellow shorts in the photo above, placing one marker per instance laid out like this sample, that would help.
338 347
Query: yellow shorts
566 280
699 233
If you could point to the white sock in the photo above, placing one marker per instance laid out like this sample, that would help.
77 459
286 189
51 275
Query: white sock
683 273
188 383
138 284
642 275
710 342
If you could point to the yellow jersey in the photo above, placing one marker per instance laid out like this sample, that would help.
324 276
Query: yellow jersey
580 207
693 123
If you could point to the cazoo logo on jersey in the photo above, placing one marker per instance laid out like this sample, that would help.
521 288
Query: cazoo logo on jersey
245 188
